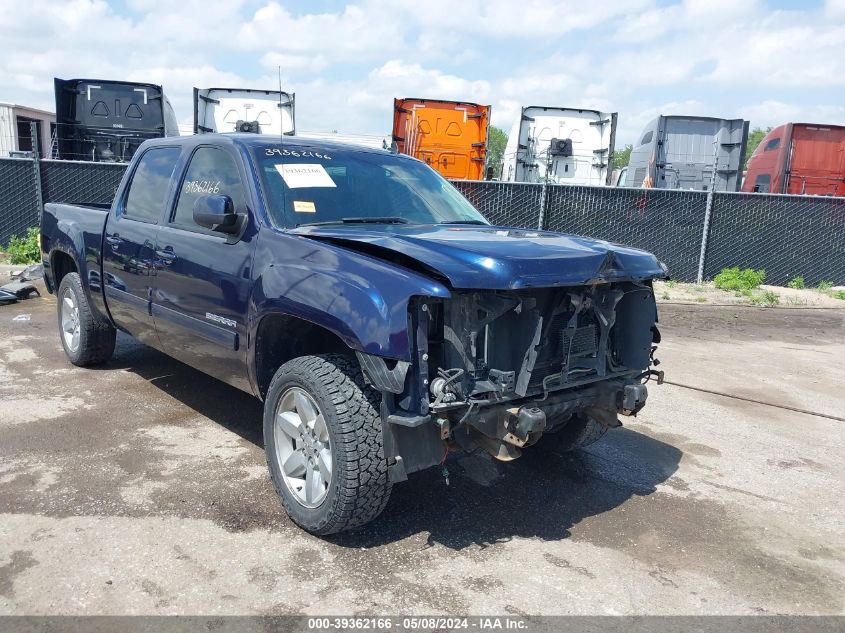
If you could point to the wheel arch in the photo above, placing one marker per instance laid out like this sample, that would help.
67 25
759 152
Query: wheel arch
281 337
62 263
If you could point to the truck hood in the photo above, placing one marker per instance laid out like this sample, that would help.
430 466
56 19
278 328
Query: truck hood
494 258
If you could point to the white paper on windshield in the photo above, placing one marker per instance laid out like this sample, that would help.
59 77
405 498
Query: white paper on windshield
301 175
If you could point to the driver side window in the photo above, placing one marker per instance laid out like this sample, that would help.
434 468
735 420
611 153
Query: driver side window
211 172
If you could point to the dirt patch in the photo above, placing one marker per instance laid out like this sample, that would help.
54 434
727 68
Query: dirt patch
707 293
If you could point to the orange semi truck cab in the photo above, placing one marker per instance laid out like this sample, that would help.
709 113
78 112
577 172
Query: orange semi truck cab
799 158
450 136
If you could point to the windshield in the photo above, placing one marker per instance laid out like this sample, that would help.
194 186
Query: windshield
309 186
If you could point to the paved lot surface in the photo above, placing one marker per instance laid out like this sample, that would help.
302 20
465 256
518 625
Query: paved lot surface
141 488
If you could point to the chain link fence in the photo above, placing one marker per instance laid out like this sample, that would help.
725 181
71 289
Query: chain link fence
788 236
695 233
504 203
77 182
667 223
25 184
18 197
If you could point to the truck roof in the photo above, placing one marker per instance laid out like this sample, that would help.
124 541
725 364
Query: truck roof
262 140
831 126
686 117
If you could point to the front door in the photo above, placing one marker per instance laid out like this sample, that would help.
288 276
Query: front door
129 243
202 277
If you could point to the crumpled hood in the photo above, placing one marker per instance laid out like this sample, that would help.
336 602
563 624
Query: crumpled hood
495 258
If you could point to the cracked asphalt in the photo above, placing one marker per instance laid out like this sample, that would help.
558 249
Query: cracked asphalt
141 488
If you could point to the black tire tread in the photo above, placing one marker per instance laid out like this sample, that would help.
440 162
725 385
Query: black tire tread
365 488
97 336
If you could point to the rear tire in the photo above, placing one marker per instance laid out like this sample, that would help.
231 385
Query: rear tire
578 433
86 339
324 444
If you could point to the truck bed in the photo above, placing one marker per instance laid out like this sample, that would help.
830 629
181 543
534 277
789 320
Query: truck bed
73 229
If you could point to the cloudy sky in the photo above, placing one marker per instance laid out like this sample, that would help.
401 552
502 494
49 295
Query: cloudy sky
769 61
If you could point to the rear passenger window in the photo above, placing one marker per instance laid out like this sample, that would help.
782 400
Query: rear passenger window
150 184
773 144
211 172
647 138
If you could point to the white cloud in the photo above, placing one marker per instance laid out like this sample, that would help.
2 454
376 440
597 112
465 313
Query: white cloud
510 19
294 63
834 8
771 112
740 42
779 52
346 63
352 34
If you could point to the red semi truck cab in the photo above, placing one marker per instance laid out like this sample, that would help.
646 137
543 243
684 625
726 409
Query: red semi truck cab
799 158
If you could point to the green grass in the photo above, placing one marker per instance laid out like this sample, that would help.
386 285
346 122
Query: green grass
767 299
824 286
739 280
796 301
24 250
839 294
796 283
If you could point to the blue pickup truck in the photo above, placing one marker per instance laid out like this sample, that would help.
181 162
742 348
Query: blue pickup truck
379 317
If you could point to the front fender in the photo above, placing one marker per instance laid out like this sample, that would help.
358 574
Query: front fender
363 300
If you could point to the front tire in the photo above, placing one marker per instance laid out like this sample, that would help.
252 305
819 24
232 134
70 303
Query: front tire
86 339
324 444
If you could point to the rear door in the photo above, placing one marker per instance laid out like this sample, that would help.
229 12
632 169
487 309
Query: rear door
222 109
564 145
203 277
448 136
129 242
817 164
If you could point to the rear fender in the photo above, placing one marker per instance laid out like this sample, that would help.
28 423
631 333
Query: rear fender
70 240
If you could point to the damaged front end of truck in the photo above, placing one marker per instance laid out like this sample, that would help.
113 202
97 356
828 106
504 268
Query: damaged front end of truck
497 370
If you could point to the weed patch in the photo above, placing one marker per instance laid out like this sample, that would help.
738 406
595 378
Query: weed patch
24 250
739 280
796 283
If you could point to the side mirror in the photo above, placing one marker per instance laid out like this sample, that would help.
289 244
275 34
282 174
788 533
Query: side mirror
216 213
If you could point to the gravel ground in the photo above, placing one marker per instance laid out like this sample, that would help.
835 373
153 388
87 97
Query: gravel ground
141 488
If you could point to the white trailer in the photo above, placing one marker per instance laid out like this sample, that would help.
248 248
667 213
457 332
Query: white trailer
571 146
16 130
243 110
689 152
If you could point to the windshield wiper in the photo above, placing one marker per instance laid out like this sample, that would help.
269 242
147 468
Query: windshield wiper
385 219
481 222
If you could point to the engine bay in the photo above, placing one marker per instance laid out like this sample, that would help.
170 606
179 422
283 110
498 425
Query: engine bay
509 345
